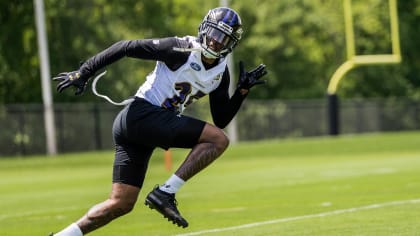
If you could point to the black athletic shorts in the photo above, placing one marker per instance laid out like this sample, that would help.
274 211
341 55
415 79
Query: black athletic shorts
141 127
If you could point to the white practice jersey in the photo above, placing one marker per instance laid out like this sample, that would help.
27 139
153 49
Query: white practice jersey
177 89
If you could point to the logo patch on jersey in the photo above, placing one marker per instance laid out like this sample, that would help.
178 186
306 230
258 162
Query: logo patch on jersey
195 66
219 76
155 41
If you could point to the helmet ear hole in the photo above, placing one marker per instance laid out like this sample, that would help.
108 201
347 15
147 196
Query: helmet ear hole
222 25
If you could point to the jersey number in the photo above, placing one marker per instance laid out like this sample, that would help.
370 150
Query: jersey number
184 90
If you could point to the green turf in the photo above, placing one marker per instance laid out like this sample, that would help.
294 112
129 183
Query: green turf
282 186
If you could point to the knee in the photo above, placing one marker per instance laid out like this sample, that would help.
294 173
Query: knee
217 137
222 141
226 140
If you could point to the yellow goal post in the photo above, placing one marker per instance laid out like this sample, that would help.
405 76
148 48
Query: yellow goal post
354 60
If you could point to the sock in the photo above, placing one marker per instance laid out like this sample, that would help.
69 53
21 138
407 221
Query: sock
172 185
71 230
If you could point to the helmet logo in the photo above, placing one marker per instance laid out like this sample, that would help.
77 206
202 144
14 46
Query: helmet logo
240 31
195 66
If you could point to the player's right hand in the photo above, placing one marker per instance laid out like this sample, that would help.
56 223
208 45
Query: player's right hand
74 78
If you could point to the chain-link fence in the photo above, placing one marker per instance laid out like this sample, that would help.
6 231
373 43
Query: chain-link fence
79 127
84 127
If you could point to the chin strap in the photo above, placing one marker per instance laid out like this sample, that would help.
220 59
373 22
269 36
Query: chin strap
95 80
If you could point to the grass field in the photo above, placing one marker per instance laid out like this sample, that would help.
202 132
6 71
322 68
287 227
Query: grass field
349 185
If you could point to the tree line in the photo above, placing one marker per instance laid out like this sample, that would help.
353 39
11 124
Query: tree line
302 42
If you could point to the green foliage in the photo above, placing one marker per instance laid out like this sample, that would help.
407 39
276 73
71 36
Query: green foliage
291 37
18 53
301 41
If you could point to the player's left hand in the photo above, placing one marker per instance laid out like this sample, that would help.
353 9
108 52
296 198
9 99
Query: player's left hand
74 78
251 78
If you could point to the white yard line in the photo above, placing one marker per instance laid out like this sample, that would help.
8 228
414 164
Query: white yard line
296 218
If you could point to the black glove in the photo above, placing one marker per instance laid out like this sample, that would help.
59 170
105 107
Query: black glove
74 78
251 78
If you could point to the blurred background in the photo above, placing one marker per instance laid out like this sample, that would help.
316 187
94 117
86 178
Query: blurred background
302 42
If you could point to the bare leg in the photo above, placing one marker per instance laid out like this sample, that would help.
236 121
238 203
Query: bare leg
121 201
212 143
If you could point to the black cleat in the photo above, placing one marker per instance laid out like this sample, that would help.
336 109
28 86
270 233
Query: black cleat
165 203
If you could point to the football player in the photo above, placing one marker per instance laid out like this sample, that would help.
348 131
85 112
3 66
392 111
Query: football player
187 68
